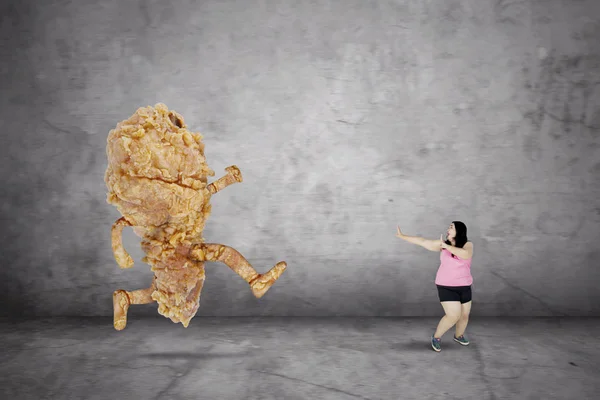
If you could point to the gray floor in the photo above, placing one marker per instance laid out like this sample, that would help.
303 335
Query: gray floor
298 358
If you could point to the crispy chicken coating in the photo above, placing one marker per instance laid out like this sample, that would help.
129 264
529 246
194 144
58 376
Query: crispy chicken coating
157 179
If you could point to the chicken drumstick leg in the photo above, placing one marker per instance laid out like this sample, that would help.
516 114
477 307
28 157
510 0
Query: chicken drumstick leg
122 299
259 283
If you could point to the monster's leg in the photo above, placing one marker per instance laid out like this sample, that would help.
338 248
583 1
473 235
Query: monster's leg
123 299
259 283
123 259
233 176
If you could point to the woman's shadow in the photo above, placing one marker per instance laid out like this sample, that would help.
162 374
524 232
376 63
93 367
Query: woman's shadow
413 345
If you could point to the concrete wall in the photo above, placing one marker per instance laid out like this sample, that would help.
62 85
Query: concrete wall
346 119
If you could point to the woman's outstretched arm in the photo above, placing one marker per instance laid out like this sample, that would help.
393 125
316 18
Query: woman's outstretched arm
429 244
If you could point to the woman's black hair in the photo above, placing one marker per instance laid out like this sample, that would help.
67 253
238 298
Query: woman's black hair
461 235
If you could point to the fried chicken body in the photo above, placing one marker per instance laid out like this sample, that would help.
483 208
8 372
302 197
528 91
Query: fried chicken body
157 179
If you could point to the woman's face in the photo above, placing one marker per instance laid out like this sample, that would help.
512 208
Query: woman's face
451 232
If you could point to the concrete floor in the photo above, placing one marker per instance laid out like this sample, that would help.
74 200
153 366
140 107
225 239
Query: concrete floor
298 358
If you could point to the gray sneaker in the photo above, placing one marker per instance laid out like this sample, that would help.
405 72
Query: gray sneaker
435 343
462 340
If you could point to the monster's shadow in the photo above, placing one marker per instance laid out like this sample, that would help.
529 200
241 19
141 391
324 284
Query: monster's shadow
194 356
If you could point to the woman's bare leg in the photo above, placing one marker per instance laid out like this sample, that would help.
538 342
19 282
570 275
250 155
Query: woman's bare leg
461 325
452 310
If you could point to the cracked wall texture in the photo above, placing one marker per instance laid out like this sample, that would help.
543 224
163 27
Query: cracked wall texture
346 118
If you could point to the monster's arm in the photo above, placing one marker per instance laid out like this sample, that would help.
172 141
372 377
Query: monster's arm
123 259
233 176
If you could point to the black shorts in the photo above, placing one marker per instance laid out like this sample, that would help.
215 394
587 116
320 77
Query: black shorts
454 293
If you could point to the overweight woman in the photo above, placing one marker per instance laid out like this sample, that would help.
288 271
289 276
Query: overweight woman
453 279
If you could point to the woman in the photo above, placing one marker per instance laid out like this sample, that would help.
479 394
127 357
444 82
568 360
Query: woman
453 279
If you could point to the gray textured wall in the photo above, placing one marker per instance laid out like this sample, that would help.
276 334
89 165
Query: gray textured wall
345 117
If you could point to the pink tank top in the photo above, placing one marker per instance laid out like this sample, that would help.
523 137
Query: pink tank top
453 271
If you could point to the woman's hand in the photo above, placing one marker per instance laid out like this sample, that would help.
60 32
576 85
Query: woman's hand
443 244
399 233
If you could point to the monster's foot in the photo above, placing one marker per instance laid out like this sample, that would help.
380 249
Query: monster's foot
121 304
263 282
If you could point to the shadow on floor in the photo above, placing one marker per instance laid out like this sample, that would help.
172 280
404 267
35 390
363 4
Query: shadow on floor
420 346
194 356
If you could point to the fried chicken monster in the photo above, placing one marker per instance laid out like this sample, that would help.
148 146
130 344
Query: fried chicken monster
157 179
